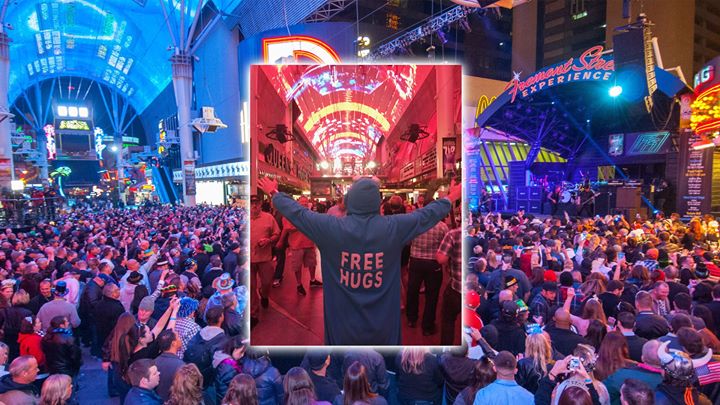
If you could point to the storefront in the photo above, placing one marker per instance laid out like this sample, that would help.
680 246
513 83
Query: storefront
221 183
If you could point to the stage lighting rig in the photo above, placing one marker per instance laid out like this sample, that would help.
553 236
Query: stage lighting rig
281 134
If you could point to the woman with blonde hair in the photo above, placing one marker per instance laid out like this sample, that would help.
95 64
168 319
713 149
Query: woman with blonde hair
537 361
242 391
299 388
419 376
187 386
57 390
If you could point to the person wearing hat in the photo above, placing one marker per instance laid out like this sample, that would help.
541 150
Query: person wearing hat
678 377
651 259
190 269
542 306
508 327
264 234
127 292
361 255
59 307
231 262
316 364
222 285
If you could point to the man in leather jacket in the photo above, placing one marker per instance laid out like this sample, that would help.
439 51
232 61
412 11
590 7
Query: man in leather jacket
62 354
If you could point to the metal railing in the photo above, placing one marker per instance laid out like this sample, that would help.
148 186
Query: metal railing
21 212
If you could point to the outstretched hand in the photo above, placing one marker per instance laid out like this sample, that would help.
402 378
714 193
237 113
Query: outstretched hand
267 185
454 191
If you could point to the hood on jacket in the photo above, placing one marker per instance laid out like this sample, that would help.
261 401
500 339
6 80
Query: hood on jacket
7 384
209 332
363 197
219 357
255 367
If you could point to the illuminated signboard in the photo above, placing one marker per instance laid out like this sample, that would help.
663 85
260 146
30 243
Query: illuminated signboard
77 125
482 104
649 143
705 75
298 47
592 65
50 136
706 110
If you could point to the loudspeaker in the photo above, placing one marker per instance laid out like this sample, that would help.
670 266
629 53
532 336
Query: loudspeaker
627 197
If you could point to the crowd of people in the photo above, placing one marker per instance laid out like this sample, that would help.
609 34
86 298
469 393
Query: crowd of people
557 311
594 310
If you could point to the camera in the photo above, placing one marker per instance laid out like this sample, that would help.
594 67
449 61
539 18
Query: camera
574 363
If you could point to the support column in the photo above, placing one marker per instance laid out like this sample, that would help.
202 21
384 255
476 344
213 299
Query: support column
445 111
182 75
5 130
119 163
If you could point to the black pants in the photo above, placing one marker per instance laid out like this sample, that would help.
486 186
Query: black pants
450 311
553 208
429 272
280 256
586 210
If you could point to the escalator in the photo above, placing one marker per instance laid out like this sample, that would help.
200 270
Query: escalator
164 186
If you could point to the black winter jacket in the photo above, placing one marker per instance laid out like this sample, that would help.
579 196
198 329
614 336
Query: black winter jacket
62 355
106 313
267 379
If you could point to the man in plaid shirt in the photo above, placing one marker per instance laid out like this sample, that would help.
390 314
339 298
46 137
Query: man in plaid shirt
424 268
450 254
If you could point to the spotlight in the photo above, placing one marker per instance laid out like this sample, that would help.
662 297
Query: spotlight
114 148
324 165
280 133
615 91
371 164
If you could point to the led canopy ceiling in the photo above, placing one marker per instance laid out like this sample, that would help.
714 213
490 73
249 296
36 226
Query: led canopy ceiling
345 110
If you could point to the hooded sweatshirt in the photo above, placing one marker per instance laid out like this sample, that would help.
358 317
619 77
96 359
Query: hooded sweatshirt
361 262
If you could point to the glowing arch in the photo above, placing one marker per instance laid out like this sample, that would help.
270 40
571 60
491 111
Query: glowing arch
275 48
347 106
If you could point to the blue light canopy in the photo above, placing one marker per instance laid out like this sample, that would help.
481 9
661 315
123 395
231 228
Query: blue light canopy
119 42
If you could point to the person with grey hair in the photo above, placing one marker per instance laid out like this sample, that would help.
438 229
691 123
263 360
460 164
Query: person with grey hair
18 386
106 313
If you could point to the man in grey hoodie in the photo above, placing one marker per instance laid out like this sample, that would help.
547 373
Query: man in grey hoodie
360 256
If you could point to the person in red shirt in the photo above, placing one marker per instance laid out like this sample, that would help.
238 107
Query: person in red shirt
301 252
30 338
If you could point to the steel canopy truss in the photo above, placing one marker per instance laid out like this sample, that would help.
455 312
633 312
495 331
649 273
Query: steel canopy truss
329 10
433 25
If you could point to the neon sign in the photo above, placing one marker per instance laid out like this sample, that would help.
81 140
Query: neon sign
298 46
591 65
705 111
99 145
74 125
50 141
483 103
705 75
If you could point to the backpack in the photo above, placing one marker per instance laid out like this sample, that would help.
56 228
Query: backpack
200 352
